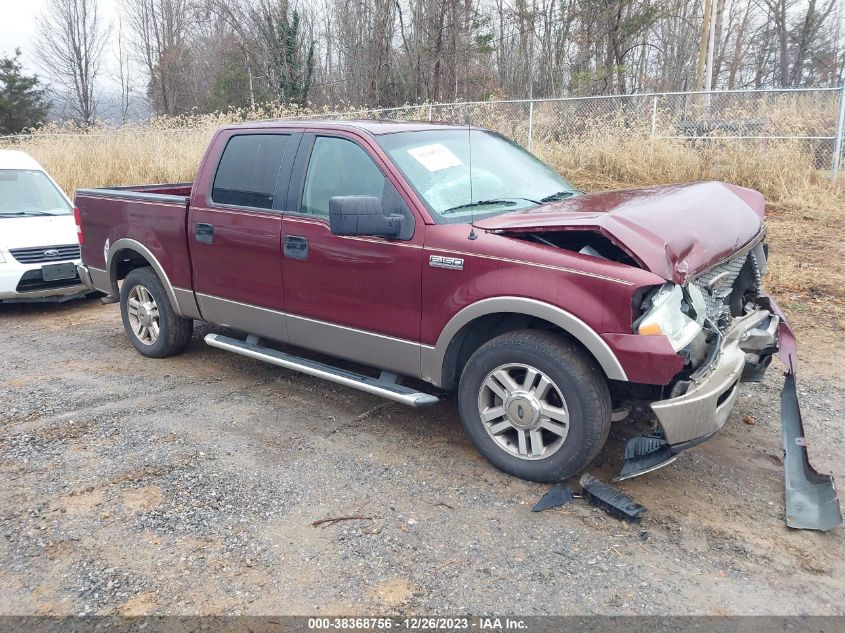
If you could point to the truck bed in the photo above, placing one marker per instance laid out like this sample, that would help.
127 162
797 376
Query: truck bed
153 215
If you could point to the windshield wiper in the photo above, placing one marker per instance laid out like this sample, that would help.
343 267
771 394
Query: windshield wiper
19 213
560 195
481 203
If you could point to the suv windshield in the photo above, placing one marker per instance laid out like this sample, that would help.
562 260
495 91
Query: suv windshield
505 177
25 192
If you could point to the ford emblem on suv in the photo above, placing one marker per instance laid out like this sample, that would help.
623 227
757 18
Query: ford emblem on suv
51 252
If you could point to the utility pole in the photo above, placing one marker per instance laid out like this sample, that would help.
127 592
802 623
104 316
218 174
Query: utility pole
251 93
705 38
711 45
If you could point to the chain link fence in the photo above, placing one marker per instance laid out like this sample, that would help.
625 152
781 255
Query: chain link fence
802 128
811 118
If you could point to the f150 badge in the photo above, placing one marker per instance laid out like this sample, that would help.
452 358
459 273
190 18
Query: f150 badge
452 263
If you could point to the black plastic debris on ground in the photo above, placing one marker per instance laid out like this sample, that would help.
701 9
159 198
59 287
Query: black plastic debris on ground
611 500
643 455
560 495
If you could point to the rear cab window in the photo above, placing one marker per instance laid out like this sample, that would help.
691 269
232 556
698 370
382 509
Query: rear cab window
248 171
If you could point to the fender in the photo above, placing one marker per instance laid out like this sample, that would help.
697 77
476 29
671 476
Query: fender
182 299
433 357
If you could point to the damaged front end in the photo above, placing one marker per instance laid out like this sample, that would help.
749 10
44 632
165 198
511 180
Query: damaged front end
700 405
705 241
728 332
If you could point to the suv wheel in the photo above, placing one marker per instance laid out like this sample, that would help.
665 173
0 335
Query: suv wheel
148 318
535 405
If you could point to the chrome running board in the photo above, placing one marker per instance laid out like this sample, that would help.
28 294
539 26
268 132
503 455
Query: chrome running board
385 389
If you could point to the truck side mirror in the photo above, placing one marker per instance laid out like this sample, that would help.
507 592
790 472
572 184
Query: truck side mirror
362 215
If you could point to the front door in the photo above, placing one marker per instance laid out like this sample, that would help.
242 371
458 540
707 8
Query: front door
352 297
235 229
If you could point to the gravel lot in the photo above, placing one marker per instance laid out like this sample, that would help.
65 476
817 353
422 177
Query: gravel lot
189 485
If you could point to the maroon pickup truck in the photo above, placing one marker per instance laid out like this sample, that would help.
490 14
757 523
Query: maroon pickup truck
451 255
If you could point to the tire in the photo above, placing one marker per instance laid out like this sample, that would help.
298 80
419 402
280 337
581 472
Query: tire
525 434
148 317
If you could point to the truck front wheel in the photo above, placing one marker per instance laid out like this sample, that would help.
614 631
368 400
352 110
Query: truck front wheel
148 318
535 405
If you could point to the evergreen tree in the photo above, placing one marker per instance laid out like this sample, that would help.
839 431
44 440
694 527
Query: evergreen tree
279 39
22 100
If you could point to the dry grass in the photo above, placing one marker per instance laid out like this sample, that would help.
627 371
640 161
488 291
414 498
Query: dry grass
165 149
120 158
806 210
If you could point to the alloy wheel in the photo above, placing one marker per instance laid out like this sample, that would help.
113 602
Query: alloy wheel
524 411
143 314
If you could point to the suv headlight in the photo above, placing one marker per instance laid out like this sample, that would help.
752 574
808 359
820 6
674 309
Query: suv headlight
671 314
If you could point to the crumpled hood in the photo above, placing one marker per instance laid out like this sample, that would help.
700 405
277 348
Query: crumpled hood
32 231
675 231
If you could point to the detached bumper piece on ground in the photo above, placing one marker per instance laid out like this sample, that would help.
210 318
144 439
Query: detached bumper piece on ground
598 493
811 499
559 495
645 454
613 501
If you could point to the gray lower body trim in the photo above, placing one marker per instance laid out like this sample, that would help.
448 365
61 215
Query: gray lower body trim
243 316
186 304
428 357
368 348
100 279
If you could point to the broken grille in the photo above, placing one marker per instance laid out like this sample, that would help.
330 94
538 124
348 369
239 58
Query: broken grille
717 286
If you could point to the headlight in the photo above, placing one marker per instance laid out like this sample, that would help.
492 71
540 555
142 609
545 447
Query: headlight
666 315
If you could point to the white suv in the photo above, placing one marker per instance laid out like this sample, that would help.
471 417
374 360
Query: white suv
39 248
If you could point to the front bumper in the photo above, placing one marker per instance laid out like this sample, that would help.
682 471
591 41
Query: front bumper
700 412
12 275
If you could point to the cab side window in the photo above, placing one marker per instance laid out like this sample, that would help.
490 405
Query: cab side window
339 167
249 169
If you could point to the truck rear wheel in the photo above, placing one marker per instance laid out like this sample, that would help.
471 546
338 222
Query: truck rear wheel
148 317
535 405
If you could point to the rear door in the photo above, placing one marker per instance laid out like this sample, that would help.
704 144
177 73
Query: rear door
235 227
353 297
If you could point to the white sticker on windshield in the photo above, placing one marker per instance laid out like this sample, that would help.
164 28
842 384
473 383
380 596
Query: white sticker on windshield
435 157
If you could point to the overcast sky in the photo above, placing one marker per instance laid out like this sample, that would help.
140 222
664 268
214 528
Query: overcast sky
17 29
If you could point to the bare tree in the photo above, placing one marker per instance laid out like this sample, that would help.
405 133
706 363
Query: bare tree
161 39
70 41
123 73
215 54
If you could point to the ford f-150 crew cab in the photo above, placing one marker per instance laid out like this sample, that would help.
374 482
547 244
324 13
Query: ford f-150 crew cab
451 255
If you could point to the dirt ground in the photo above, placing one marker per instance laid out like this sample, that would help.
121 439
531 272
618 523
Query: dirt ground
189 485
